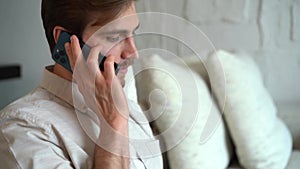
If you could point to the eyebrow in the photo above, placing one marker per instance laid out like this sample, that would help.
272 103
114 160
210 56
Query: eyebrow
121 31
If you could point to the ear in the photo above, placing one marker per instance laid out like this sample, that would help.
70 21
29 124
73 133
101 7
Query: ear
56 32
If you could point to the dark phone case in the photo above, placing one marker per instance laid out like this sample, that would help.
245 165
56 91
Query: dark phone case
59 54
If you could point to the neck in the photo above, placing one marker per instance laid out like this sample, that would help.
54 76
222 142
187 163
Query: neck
62 72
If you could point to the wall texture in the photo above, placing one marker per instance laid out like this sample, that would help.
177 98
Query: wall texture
266 29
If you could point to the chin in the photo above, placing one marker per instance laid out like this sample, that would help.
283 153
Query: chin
123 83
121 78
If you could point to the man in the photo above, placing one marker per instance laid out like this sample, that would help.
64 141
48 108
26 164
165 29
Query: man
81 118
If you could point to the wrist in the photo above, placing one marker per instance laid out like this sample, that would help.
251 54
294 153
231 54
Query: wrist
118 125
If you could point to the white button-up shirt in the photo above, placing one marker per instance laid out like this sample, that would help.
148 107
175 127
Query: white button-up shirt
43 130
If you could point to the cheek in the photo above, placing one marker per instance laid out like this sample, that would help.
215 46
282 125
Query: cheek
115 51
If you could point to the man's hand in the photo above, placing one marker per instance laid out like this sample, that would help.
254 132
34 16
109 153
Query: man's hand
104 94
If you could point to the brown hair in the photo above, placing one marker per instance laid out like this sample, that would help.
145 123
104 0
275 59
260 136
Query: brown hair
74 15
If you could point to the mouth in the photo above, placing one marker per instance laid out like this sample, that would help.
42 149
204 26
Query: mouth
123 70
124 66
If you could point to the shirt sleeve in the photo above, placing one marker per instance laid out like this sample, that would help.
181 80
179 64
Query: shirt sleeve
28 146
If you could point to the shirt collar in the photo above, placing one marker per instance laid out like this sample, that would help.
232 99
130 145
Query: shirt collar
63 89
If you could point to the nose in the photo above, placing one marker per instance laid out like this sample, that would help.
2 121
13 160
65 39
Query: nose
129 50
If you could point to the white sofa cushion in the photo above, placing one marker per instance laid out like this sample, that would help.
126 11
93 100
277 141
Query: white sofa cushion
260 137
181 105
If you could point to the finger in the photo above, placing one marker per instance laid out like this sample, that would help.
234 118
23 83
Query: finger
92 59
70 54
109 71
77 59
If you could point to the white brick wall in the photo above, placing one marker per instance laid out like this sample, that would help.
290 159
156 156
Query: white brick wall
216 10
269 30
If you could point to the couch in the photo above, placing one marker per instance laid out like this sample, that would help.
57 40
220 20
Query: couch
215 113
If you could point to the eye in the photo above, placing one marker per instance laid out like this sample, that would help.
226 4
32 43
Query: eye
112 39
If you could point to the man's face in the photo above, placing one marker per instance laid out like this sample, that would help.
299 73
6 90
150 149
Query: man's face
116 39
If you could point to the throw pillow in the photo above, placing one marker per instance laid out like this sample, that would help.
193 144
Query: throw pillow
261 139
179 103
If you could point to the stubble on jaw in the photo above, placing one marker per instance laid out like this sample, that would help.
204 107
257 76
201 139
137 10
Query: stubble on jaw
125 64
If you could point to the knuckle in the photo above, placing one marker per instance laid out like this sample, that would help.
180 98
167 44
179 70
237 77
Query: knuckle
89 62
108 82
95 49
108 62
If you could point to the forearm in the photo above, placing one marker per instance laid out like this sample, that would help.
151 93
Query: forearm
112 149
104 159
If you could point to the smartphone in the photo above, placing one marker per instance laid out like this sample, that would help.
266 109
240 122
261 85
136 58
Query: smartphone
60 56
